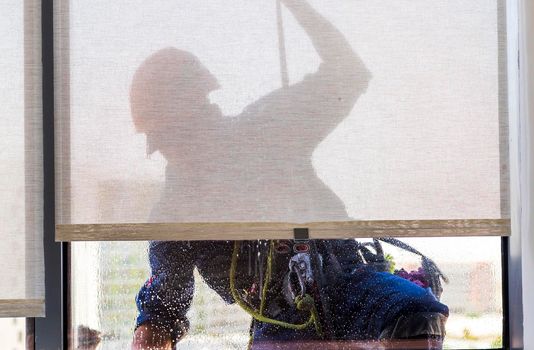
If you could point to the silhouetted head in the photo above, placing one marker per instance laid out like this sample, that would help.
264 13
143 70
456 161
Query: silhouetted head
169 96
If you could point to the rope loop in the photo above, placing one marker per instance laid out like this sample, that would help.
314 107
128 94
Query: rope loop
305 303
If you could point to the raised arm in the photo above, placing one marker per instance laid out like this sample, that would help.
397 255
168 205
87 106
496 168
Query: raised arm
328 41
304 112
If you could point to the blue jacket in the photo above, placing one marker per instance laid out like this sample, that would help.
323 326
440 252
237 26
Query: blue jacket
361 301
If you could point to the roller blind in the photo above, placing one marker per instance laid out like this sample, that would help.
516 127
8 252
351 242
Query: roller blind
205 120
21 251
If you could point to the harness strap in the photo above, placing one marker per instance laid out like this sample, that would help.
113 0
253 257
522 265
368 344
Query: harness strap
301 304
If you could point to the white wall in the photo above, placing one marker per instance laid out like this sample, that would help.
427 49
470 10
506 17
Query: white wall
527 239
526 48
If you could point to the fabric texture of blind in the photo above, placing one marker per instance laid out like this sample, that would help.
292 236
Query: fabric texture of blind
21 192
199 120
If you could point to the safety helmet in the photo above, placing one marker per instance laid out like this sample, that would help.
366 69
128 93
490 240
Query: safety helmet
166 81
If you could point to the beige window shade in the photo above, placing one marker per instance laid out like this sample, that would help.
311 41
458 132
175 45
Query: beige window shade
200 120
21 250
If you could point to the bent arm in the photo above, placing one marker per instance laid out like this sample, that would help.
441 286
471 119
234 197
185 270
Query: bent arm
305 112
165 298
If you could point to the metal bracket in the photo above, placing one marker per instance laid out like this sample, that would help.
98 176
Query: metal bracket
301 234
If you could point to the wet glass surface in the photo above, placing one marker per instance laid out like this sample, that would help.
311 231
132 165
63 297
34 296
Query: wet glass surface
13 334
360 301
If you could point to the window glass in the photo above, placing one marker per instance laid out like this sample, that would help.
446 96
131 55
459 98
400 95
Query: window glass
13 333
107 277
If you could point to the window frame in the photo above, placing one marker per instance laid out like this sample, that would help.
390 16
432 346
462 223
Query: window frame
521 252
52 332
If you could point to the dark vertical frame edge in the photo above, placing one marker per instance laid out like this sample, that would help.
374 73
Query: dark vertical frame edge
506 344
504 153
51 332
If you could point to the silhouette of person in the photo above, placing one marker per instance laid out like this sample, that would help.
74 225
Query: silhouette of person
253 167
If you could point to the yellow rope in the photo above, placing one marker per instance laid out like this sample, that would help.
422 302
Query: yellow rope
302 304
267 278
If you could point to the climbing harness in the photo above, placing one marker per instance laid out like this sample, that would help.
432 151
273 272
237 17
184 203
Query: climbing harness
302 302
306 276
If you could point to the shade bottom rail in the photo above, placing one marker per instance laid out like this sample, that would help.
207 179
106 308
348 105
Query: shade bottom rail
253 231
